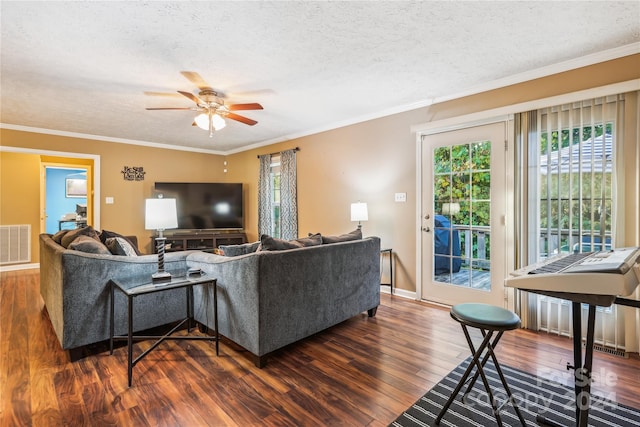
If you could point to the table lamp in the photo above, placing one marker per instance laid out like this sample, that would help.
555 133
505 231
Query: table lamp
359 213
160 214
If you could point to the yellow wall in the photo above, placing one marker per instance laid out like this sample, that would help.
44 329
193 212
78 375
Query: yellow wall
367 162
20 193
126 215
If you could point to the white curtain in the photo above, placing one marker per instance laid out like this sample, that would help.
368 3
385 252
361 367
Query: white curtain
264 196
288 195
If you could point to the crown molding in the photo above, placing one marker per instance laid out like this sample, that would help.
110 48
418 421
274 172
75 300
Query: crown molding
107 139
561 67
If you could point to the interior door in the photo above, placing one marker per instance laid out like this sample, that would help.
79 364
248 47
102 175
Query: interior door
463 215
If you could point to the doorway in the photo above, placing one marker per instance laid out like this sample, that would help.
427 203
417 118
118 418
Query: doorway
463 205
66 193
65 198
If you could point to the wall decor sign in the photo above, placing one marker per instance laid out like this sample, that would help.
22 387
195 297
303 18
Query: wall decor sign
133 173
76 187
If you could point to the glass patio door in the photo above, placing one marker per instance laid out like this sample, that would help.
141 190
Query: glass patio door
463 215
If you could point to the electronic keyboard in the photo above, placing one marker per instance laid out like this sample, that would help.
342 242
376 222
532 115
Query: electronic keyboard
615 272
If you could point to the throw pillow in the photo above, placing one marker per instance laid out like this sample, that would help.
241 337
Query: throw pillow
120 246
58 236
88 244
72 234
106 234
268 243
237 250
354 235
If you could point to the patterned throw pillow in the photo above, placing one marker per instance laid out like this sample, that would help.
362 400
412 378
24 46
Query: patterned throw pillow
106 234
120 246
268 243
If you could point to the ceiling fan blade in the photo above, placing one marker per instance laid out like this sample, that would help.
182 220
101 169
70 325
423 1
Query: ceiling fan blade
250 106
172 94
171 108
191 97
196 79
241 119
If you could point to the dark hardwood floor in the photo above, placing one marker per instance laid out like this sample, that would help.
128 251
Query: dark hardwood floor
363 372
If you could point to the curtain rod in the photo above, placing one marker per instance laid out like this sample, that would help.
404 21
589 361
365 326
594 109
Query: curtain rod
271 154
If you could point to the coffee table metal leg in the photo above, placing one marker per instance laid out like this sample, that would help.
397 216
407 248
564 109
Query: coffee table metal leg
189 290
215 314
111 316
130 341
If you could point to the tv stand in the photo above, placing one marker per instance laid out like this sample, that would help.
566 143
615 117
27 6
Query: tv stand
206 241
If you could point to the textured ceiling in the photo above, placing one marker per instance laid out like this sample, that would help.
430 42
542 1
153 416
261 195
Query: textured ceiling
84 67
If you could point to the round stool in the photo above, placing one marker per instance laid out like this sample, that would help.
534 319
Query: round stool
488 319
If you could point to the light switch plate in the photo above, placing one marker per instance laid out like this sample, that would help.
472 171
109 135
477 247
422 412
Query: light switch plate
108 200
401 197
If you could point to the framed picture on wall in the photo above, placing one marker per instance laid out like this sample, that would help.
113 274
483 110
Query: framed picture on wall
76 187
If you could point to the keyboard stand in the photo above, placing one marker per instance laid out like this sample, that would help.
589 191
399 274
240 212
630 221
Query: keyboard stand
582 370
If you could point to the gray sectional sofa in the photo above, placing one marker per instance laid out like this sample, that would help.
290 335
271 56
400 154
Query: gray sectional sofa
74 287
266 299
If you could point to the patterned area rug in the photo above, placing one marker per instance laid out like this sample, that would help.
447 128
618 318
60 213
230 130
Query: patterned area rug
534 396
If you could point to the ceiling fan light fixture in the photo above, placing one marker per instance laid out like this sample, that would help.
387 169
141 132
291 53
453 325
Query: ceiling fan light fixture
218 122
202 121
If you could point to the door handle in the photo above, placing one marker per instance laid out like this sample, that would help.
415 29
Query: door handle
426 229
427 216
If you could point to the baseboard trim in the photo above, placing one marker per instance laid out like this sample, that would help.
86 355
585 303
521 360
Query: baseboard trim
386 289
18 267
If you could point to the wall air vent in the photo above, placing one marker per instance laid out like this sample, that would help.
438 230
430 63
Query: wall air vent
15 244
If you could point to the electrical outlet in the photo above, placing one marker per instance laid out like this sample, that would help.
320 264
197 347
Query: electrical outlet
401 197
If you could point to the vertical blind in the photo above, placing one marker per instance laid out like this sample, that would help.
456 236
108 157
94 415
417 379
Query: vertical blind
571 194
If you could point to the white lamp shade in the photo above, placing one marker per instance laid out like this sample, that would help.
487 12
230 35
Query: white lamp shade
359 212
160 214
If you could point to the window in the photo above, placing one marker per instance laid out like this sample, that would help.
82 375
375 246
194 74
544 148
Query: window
571 196
277 198
575 187
274 176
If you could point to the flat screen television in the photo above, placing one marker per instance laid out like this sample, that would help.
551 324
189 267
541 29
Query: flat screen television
205 206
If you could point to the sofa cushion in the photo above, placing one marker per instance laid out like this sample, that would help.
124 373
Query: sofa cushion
237 250
106 234
354 235
58 236
72 234
88 244
120 246
268 243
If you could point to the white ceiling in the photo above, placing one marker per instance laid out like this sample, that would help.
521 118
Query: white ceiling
84 67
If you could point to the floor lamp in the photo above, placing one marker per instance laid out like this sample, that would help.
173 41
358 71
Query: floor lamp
160 214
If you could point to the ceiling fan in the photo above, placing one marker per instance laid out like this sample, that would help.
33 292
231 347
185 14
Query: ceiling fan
210 106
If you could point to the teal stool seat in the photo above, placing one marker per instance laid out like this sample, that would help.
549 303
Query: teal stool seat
488 319
484 316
